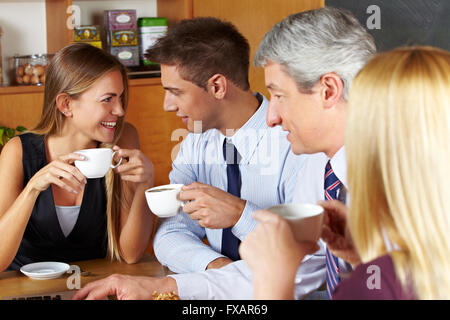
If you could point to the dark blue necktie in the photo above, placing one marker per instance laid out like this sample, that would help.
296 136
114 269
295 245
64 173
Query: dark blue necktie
331 186
230 243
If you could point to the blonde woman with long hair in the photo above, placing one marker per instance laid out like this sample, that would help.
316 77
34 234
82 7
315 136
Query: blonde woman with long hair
397 146
51 212
398 160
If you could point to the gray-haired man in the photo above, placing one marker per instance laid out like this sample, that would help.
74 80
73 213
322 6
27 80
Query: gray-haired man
310 60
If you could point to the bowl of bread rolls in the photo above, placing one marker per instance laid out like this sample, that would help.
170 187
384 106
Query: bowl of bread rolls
30 69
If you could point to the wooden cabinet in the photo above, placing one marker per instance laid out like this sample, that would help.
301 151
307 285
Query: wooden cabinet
155 126
20 106
253 18
58 35
23 105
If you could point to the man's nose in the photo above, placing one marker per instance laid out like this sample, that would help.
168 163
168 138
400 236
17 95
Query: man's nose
169 103
273 118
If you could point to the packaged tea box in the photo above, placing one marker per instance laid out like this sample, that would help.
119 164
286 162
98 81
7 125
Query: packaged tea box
118 38
150 30
129 56
86 34
120 19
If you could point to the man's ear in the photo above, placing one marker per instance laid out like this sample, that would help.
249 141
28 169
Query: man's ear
63 104
217 86
332 88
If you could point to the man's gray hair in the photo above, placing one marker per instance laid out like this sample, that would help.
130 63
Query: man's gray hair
312 43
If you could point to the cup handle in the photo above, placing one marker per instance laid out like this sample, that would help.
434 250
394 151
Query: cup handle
118 164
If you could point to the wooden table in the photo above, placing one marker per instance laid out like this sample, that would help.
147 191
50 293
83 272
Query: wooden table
14 283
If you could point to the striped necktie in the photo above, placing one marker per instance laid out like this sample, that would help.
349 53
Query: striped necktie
230 243
332 185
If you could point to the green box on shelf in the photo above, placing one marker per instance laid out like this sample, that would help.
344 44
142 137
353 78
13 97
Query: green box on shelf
150 30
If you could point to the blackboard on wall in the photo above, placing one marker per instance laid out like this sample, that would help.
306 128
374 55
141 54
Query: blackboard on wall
395 23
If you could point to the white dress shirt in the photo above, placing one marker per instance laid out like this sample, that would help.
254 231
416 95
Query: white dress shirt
234 281
311 190
268 170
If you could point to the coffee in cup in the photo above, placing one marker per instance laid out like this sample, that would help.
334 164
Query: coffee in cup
161 190
305 219
164 200
97 162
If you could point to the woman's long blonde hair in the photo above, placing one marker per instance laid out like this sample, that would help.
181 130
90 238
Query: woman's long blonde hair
398 155
73 70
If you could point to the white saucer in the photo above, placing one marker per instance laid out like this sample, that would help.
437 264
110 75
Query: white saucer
45 270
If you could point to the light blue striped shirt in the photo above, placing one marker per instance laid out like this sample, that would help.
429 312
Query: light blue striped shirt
268 172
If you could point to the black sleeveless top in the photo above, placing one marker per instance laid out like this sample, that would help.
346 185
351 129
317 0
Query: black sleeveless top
43 239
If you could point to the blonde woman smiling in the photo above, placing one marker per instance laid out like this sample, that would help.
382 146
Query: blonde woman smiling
397 145
51 212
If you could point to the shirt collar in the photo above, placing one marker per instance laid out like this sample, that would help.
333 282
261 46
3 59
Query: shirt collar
246 138
339 165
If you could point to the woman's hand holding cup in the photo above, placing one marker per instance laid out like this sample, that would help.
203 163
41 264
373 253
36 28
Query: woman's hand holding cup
138 168
336 233
61 173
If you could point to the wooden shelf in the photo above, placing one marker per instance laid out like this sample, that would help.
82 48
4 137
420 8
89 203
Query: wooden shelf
145 82
21 89
40 89
22 105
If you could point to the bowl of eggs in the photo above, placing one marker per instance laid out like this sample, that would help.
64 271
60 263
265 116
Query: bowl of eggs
30 70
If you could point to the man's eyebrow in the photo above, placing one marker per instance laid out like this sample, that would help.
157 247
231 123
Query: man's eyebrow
272 86
171 89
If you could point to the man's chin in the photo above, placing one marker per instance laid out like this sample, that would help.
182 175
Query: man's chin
195 126
296 149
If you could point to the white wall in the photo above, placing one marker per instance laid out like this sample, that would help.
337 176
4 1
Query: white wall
24 30
24 24
92 11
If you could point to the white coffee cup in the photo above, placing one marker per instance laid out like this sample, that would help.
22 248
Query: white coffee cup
97 163
164 200
305 219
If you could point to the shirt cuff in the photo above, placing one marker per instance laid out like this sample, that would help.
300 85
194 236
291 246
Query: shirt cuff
208 257
246 223
191 286
232 282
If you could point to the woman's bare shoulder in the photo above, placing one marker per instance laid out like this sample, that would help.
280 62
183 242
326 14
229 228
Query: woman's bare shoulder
11 169
13 148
